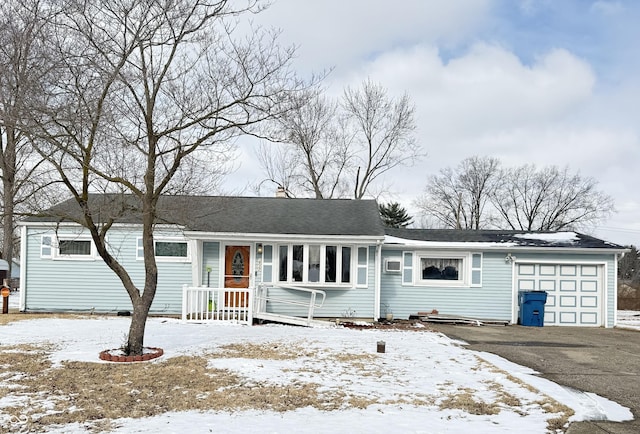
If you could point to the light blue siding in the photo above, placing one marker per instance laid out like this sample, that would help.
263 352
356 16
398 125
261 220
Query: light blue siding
490 300
89 285
211 259
493 299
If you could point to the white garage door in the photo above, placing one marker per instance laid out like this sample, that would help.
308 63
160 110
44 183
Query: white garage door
574 291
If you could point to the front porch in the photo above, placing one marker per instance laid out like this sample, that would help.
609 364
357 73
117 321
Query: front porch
243 305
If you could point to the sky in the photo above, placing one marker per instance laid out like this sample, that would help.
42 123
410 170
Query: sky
527 81
416 366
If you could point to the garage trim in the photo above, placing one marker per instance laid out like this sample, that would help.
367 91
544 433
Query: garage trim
603 310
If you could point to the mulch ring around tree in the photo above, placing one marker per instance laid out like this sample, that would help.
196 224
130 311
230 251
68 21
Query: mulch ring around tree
117 355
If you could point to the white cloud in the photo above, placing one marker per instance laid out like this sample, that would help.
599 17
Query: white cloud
338 33
486 91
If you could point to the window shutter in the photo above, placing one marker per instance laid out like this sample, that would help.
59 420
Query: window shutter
267 263
407 268
45 246
476 269
139 248
363 265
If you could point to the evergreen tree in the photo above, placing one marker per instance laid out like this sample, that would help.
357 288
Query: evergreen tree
395 216
629 266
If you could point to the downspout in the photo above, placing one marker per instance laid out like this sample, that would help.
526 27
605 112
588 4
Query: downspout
377 274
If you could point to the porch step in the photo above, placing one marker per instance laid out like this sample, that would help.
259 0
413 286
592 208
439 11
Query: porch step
294 320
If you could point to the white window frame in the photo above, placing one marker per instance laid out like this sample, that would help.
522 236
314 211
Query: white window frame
140 249
364 266
55 248
353 264
394 260
464 271
47 246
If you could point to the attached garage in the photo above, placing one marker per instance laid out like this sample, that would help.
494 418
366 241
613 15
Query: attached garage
575 291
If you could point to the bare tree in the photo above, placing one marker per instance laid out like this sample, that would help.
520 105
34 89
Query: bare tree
146 86
334 148
458 198
549 199
314 151
383 131
24 62
480 194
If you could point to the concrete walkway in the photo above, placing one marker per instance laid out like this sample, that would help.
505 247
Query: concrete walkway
603 361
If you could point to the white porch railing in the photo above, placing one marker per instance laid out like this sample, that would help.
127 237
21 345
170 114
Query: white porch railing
203 304
315 300
242 305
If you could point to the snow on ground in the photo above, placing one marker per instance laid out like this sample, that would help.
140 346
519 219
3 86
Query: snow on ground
417 366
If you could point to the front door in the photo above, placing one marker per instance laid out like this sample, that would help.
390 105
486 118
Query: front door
236 275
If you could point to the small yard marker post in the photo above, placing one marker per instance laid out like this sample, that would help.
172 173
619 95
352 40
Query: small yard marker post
5 299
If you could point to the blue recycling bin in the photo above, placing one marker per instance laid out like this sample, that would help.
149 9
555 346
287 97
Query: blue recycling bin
532 308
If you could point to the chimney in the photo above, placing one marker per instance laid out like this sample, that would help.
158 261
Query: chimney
281 192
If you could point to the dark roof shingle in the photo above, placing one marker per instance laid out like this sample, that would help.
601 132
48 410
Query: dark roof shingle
267 215
519 238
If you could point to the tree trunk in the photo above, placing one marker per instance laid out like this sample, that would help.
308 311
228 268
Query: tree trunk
8 185
135 340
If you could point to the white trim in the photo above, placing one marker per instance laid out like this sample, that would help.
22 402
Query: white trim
392 260
359 266
169 239
338 284
463 281
23 268
196 262
55 248
283 238
377 296
222 257
604 280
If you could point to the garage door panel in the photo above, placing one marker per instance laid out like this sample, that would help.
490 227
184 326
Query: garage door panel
568 318
526 285
547 270
574 291
547 285
549 316
590 318
526 269
568 301
551 301
568 270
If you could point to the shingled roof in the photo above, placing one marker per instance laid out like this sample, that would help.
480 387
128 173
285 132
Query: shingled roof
508 238
225 214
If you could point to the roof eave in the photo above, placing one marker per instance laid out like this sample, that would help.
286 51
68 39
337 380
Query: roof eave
266 237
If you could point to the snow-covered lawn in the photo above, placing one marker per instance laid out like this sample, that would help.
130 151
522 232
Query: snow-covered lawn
423 382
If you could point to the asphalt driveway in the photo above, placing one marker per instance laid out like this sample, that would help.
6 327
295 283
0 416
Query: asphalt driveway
598 360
